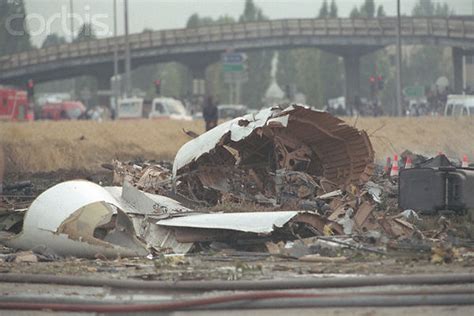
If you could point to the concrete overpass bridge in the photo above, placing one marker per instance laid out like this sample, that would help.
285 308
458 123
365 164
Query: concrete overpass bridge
199 47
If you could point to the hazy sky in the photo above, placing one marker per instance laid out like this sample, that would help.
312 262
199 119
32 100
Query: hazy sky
46 16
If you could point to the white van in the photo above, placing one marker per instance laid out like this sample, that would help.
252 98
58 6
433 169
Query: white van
130 108
459 105
168 108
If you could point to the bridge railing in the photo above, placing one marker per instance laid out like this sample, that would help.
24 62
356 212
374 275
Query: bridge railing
439 27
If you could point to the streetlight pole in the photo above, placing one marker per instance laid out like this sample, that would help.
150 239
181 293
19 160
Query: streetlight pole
71 19
116 84
399 63
127 52
116 70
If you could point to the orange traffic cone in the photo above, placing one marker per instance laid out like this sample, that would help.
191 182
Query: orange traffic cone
408 163
388 165
394 171
465 162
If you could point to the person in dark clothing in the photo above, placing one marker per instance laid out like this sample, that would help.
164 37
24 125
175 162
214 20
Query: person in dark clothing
210 113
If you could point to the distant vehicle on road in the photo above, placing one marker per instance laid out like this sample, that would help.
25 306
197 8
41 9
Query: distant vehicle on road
337 106
43 98
459 105
14 105
65 110
168 108
130 108
417 107
230 111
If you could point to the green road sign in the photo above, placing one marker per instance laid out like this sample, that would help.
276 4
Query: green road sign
414 92
233 67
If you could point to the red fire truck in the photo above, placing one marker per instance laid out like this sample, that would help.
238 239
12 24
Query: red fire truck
62 110
14 105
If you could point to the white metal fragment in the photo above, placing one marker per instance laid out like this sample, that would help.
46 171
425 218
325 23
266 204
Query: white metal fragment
410 215
145 209
252 222
238 128
138 202
330 195
347 222
75 218
375 191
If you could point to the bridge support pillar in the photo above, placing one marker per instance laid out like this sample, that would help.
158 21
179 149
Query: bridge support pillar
352 80
199 86
103 89
458 54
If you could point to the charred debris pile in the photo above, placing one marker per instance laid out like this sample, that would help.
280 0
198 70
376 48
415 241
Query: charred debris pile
294 182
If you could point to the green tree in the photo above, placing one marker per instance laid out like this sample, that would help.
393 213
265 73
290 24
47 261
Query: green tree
259 63
333 9
443 10
429 8
427 63
53 40
329 70
354 13
225 19
193 21
308 76
367 10
381 12
251 12
424 8
214 75
86 33
14 36
85 83
324 10
57 86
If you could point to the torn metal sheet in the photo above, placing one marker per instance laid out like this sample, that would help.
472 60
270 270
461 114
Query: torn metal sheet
139 202
77 218
250 222
220 226
375 191
245 156
145 209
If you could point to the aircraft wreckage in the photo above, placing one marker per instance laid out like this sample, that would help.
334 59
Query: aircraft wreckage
273 156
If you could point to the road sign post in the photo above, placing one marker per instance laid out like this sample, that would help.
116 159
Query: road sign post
414 92
234 66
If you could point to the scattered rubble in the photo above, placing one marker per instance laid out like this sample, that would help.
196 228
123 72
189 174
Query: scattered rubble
312 176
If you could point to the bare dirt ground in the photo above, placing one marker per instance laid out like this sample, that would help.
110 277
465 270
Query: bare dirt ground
232 266
78 145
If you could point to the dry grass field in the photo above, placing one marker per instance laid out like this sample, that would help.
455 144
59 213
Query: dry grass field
48 146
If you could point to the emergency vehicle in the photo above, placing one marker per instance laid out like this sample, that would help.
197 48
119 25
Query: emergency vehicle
14 105
62 110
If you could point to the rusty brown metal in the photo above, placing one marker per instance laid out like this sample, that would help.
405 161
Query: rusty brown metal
249 152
